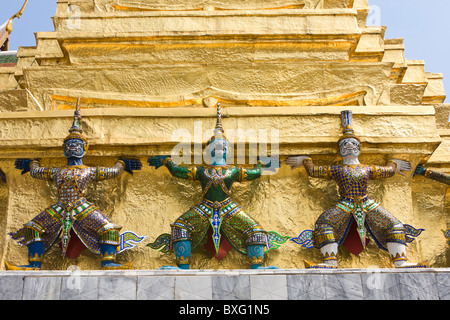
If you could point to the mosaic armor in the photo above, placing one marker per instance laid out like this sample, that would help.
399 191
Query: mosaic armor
217 210
437 176
77 222
355 216
217 218
72 211
355 205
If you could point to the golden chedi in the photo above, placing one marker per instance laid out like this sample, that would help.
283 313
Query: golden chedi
149 75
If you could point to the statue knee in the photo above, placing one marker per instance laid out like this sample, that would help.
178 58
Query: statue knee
395 234
324 236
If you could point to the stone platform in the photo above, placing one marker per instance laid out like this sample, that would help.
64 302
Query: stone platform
342 284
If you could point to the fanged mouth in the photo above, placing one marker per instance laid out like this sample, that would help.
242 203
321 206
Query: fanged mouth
350 150
73 151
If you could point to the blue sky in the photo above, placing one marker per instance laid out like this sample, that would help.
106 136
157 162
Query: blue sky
424 25
37 17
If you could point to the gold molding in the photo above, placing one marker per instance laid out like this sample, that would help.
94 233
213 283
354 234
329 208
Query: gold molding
352 99
128 8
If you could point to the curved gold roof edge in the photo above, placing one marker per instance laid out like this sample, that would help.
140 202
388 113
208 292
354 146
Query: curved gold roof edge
17 15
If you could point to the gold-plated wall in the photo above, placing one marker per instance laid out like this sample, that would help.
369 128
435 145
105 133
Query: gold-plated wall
144 70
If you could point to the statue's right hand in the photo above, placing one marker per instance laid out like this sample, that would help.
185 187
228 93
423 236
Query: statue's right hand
132 164
295 161
23 164
157 161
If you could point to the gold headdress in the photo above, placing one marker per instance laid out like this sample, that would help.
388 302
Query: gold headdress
75 131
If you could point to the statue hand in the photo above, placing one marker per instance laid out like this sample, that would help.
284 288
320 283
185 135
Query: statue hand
131 164
269 164
157 161
23 164
420 170
402 165
295 161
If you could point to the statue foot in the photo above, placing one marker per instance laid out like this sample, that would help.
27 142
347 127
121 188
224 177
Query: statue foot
423 264
11 266
264 268
172 268
169 268
311 265
115 266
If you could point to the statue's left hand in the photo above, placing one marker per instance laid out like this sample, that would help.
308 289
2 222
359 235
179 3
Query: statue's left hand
420 170
157 161
402 165
131 165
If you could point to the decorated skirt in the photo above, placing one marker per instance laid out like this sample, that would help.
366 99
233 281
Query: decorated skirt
83 219
224 218
366 217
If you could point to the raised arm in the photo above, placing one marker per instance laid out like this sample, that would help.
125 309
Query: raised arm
41 173
175 170
390 169
381 172
438 176
312 170
262 167
250 173
36 171
433 175
323 172
127 165
105 173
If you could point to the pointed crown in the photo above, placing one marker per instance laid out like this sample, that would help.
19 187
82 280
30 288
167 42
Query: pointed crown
75 131
347 124
219 132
